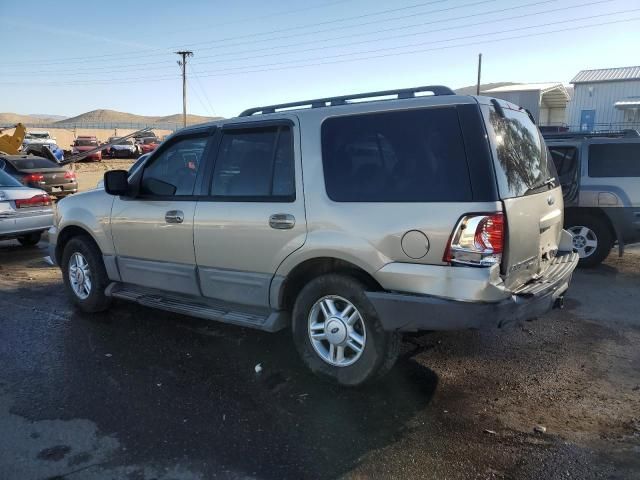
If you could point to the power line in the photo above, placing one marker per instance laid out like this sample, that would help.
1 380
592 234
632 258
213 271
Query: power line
314 41
204 91
84 59
411 52
137 66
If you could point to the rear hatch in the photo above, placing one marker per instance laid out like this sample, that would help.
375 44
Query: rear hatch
530 192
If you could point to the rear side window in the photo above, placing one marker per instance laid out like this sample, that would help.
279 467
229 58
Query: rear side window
254 165
8 181
523 165
614 160
30 163
407 156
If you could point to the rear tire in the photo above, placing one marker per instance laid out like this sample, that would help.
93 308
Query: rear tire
30 240
362 350
592 238
81 260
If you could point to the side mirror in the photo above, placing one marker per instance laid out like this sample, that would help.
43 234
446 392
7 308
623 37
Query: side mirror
116 182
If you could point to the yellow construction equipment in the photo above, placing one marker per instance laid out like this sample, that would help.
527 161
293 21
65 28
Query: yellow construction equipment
10 144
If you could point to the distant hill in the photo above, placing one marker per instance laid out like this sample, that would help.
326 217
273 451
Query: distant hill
483 87
112 116
100 116
13 118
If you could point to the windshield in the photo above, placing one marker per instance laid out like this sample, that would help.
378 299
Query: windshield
37 135
148 141
122 142
86 143
523 165
7 180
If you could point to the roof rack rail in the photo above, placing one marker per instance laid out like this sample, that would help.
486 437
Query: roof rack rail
627 133
343 100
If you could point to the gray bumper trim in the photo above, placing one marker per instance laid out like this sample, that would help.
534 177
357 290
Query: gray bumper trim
409 313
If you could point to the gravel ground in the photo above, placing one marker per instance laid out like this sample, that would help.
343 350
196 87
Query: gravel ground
141 394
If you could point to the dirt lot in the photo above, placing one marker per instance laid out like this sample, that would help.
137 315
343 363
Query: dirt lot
90 173
140 394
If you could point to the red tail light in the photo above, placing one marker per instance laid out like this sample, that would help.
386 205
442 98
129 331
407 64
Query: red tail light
36 201
477 240
69 175
33 178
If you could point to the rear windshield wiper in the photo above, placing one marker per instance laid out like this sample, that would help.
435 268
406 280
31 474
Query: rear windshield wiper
549 182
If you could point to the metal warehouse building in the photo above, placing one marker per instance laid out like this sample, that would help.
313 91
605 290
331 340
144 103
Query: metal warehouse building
605 99
547 102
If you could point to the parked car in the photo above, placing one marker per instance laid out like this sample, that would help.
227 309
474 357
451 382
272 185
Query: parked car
38 138
39 150
149 144
40 173
398 224
25 213
84 144
600 177
124 149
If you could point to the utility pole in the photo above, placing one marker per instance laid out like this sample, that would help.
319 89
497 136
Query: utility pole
183 63
479 72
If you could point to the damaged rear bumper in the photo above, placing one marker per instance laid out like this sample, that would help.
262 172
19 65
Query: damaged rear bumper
409 312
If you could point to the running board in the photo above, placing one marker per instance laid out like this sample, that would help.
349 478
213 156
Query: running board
201 307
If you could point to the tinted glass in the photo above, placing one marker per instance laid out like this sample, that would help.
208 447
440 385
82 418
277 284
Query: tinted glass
523 165
614 160
86 143
31 163
7 180
174 170
408 156
564 158
255 163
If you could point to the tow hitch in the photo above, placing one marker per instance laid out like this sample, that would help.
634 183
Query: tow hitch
559 303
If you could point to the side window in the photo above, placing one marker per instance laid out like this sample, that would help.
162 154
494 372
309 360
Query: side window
173 172
255 164
614 160
407 156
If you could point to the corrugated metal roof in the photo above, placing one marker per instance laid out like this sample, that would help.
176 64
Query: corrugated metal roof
607 75
525 87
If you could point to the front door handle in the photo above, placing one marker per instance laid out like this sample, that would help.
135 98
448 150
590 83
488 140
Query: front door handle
282 221
174 216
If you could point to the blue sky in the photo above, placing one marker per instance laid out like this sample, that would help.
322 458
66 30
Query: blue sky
69 57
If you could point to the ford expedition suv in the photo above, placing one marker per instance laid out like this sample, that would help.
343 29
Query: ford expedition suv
347 219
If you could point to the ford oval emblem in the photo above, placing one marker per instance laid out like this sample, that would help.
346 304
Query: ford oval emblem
551 200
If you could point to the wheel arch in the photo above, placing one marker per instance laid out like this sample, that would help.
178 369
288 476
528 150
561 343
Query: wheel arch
573 212
285 292
66 234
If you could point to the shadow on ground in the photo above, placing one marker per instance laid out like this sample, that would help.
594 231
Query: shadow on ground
173 389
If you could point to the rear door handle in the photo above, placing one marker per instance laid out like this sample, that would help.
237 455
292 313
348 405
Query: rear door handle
174 216
282 221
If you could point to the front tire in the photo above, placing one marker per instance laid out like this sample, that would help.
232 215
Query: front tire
592 238
30 240
338 334
84 275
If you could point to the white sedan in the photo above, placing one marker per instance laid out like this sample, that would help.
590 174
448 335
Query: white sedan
24 212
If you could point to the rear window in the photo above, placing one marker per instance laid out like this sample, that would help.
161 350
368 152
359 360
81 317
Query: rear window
523 165
614 160
408 156
7 180
31 163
